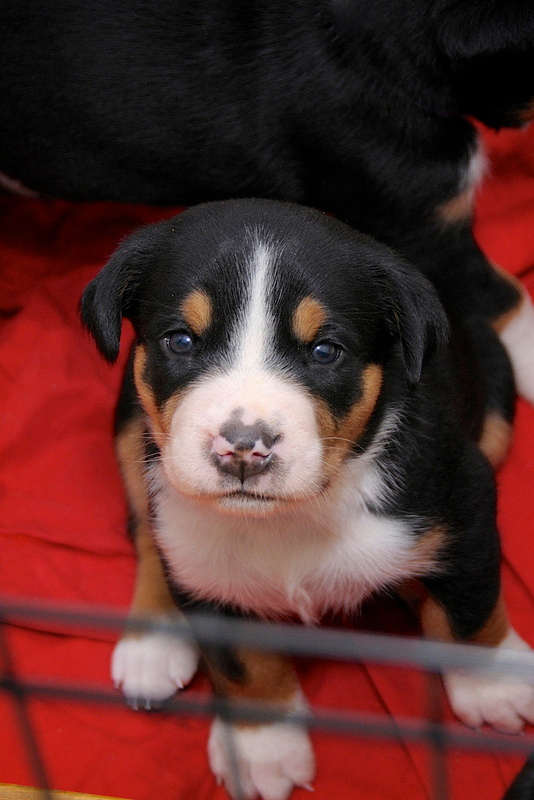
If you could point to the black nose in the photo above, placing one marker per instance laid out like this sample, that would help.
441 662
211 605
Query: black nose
243 450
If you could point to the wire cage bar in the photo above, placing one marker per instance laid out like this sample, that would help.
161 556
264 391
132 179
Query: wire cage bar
429 657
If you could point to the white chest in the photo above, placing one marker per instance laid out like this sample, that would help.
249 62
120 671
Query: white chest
303 563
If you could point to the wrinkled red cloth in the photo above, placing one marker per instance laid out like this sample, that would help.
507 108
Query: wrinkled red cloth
63 527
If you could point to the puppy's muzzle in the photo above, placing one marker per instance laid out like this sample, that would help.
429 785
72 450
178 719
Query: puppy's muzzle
244 450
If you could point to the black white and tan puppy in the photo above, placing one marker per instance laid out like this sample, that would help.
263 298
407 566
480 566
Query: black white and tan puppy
357 107
294 435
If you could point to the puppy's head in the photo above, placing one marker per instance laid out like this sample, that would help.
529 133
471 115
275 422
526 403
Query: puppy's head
264 333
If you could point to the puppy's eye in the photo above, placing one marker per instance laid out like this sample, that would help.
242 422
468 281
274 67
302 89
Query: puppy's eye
179 342
325 352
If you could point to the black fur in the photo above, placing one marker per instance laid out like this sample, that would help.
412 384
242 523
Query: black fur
158 266
358 107
379 309
523 786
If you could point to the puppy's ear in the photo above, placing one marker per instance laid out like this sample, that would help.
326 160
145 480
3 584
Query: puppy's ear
110 296
415 317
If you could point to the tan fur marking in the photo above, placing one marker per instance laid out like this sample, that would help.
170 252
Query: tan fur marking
151 593
146 395
129 448
428 547
458 209
269 677
495 438
495 629
308 319
434 621
339 436
160 418
436 624
198 311
501 322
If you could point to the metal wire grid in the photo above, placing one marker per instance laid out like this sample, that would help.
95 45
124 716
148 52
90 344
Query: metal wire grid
429 657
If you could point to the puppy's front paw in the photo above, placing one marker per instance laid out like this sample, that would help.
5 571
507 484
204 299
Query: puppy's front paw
270 759
479 699
150 668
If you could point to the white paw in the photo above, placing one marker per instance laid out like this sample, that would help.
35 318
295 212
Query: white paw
503 703
270 759
150 668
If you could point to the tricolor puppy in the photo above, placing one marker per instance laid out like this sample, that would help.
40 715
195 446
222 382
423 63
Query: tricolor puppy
294 436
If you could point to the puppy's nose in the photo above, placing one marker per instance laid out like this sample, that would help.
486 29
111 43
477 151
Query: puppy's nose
245 455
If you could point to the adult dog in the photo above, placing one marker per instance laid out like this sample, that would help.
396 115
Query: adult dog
357 107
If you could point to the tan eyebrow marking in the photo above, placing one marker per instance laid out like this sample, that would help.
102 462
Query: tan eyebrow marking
308 319
198 311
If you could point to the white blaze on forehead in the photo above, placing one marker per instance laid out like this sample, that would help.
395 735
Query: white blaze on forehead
247 387
254 334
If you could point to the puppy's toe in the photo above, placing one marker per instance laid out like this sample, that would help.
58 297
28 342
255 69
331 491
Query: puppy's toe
475 699
150 668
269 759
501 702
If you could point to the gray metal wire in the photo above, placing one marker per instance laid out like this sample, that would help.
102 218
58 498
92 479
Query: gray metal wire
427 656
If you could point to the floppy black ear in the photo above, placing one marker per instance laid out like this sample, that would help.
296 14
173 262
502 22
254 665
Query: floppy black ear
109 296
415 317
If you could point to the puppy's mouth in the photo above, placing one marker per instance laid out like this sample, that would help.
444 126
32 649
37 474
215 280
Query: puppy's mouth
247 503
247 496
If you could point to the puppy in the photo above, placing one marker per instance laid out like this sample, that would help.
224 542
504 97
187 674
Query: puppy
293 437
357 107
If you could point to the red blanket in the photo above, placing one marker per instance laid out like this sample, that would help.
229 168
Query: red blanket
62 527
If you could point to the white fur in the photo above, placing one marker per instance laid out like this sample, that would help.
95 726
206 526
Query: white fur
325 552
477 168
518 339
203 410
250 383
253 336
270 759
472 174
504 703
152 666
290 545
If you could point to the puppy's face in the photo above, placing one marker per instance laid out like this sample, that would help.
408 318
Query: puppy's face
263 332
256 385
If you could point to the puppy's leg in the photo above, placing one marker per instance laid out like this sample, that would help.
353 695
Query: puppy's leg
504 703
466 605
151 666
269 758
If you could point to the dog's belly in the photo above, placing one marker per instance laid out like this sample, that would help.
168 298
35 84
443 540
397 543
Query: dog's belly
301 564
